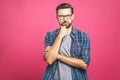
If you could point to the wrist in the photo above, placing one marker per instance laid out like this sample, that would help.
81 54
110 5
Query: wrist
60 36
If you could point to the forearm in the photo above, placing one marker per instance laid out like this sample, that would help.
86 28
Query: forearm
75 62
52 53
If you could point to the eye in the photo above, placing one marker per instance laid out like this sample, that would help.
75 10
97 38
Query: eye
60 15
64 16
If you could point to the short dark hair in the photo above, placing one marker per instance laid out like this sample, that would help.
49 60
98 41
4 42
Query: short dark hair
64 6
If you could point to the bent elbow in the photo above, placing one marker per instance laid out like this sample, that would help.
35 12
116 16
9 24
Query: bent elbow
49 60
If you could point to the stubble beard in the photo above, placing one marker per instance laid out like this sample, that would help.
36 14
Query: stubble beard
66 25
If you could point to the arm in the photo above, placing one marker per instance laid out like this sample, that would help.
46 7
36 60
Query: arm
83 60
51 54
75 62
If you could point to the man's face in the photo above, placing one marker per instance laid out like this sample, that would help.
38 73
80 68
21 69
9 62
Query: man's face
65 17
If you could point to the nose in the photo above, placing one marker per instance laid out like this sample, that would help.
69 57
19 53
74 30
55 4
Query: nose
65 18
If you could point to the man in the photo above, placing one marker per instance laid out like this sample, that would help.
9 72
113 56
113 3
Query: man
67 49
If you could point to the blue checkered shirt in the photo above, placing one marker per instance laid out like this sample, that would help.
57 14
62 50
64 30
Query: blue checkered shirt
80 48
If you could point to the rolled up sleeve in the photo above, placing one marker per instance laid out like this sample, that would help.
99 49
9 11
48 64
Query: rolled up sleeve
85 54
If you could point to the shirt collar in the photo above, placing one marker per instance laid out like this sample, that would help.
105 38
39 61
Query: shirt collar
72 34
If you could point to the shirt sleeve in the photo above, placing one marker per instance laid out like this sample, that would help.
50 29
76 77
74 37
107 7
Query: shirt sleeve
46 42
85 54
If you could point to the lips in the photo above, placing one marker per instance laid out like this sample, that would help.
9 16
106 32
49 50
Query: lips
65 22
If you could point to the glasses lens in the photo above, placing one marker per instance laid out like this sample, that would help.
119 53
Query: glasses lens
65 16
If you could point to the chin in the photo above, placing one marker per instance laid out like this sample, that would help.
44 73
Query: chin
68 26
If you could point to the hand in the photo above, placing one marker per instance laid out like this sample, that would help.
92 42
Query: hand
63 31
47 48
58 56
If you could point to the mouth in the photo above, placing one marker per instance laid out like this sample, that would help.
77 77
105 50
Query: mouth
65 23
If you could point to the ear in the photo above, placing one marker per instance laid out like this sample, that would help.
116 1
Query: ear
56 17
72 16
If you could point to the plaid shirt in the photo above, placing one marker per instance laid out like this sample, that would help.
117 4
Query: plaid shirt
80 48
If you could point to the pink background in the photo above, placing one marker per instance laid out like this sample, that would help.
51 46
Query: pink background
23 24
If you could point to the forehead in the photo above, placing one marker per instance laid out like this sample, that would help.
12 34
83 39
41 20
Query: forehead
65 11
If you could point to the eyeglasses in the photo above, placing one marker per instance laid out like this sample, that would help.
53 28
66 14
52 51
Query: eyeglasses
61 17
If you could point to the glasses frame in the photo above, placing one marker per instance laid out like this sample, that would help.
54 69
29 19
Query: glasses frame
62 17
